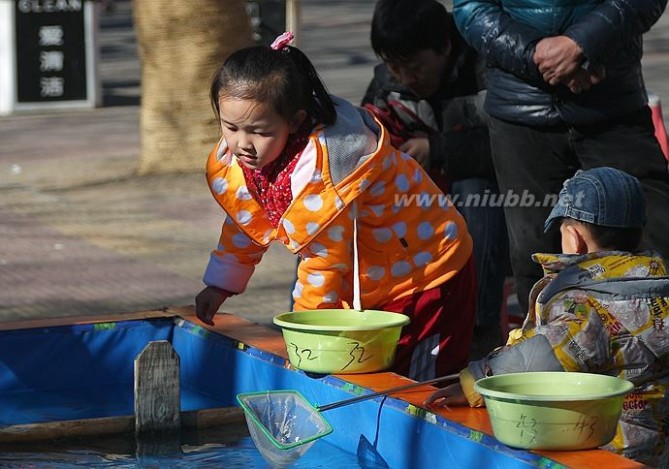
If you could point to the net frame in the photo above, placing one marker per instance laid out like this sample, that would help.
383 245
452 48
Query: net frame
245 401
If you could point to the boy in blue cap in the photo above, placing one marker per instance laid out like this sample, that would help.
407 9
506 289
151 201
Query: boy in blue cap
601 307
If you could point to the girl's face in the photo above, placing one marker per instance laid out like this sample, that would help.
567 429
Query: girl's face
254 132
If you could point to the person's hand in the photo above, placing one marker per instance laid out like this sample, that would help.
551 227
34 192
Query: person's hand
449 395
558 58
418 148
583 80
207 303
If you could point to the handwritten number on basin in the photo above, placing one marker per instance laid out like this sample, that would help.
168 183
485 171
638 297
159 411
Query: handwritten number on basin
305 353
526 424
356 352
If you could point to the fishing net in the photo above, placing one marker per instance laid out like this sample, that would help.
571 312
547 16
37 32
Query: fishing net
283 424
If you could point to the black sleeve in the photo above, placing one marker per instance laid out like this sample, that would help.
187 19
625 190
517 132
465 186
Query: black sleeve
462 153
373 91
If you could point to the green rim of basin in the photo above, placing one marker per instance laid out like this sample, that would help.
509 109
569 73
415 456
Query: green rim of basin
325 320
567 386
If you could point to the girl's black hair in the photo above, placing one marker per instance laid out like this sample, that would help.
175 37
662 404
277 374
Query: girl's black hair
285 79
401 28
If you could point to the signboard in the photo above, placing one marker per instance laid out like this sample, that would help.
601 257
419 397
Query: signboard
50 51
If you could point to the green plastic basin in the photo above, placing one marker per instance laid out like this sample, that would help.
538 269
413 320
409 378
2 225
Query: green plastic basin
554 410
341 340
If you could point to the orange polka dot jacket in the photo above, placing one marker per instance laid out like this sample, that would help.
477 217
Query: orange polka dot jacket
410 238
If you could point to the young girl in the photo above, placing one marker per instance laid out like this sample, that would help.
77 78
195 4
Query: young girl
311 171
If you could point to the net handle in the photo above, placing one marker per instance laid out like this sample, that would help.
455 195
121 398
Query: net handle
386 392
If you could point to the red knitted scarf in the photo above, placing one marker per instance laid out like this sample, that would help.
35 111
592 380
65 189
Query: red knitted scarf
270 185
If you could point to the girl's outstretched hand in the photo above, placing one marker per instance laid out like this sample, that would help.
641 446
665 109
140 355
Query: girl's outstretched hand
449 395
207 303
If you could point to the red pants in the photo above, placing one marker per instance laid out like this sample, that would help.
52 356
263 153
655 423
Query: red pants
438 339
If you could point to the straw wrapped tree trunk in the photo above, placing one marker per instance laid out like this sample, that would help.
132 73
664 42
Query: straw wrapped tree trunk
181 43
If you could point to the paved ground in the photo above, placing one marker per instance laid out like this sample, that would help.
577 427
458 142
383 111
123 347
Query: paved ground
81 234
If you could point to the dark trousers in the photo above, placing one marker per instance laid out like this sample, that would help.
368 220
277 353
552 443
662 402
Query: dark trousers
438 339
486 225
533 162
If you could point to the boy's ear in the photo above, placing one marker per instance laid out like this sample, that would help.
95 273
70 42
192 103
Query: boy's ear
297 120
448 48
573 240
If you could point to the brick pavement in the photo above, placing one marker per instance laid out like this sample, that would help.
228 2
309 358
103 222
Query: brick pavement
81 234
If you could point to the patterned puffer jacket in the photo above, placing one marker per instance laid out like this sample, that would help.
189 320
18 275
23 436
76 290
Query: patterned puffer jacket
604 312
409 236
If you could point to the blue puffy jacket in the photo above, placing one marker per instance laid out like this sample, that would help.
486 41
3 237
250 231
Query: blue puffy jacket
608 31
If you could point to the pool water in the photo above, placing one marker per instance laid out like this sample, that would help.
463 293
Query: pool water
220 447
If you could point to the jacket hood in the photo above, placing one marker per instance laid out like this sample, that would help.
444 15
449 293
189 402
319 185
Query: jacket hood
601 264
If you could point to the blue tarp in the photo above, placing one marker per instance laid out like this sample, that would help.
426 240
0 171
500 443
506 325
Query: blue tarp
87 371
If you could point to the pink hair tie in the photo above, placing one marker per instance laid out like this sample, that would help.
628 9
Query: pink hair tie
282 41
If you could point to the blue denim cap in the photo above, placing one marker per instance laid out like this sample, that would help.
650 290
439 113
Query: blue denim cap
601 196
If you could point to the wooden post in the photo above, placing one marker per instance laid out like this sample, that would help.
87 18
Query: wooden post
293 20
157 396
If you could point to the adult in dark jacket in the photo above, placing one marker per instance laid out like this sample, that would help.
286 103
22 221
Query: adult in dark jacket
429 91
565 91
